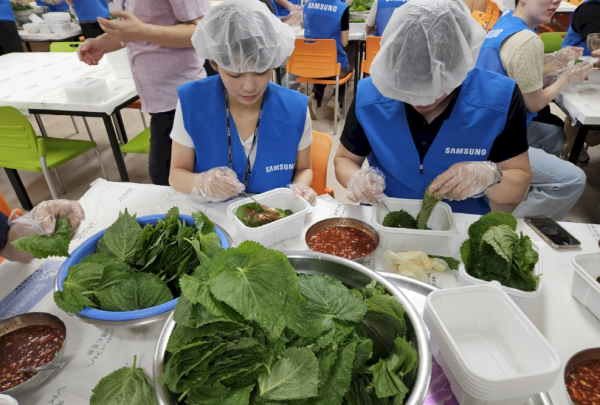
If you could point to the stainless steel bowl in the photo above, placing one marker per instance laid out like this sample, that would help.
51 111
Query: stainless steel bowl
353 275
587 354
16 322
345 223
139 329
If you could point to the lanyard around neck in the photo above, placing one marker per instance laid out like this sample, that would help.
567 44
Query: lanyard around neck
254 140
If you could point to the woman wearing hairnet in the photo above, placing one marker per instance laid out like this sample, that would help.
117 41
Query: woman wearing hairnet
424 117
236 131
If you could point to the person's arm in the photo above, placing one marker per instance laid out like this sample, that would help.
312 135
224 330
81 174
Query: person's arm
130 29
516 177
345 36
346 164
288 5
345 27
182 176
353 149
93 49
538 99
303 170
370 23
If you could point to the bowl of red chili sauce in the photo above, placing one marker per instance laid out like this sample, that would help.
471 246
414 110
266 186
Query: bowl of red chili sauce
582 377
27 341
343 237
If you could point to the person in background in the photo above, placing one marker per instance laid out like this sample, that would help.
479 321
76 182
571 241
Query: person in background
9 36
53 6
285 7
158 40
40 220
88 12
513 49
238 131
328 19
585 20
380 14
422 118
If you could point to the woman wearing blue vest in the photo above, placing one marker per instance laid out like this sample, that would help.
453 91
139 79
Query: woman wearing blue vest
9 36
53 6
380 14
237 131
585 20
423 117
328 19
512 48
88 12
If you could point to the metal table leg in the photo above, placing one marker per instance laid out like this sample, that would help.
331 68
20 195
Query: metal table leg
41 125
578 144
28 46
121 126
17 184
114 144
357 51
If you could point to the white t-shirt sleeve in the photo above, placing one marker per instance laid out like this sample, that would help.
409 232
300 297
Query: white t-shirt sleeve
307 137
178 133
372 14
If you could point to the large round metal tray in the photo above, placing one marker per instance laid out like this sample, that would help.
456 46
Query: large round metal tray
353 275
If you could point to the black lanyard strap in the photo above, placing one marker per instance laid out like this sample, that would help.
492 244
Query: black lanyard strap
254 140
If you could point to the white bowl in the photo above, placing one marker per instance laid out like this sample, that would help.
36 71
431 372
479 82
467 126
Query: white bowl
60 26
57 17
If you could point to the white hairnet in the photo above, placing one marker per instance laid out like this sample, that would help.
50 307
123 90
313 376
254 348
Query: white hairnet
427 49
243 36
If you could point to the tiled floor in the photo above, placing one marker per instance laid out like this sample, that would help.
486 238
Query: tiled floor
79 173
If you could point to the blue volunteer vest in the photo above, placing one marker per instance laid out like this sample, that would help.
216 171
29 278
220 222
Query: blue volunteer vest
385 9
280 130
322 20
63 6
467 135
489 57
282 11
90 10
6 13
574 39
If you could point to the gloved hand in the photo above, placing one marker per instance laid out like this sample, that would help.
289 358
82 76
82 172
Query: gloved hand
216 184
564 56
294 7
302 191
41 219
295 17
577 73
366 186
466 179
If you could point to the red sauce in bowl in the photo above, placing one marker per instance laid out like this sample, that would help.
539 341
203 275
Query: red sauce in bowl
349 243
583 382
28 347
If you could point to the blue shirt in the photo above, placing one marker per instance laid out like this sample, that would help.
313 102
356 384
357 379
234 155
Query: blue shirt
6 13
4 228
90 10
63 6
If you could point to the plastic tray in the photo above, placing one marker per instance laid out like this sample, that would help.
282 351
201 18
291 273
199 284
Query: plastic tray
585 288
493 342
537 270
275 232
442 240
119 64
88 248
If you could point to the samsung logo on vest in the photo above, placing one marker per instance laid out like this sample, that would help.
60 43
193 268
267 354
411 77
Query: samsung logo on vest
465 151
277 168
321 6
493 33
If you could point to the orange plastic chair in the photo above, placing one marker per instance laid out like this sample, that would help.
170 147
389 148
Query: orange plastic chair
315 61
319 160
373 46
478 16
495 15
489 11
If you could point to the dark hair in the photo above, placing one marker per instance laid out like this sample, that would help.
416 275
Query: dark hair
516 3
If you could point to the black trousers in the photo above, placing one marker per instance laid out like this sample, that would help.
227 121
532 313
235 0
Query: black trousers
9 38
319 89
90 29
159 160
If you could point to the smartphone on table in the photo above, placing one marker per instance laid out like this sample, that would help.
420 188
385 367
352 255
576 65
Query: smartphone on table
551 232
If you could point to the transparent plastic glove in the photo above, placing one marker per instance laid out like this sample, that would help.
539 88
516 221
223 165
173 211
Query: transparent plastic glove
215 185
295 17
466 179
577 73
302 191
41 219
366 186
294 7
564 56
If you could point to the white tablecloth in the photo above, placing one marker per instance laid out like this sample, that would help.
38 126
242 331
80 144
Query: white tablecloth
75 29
92 353
36 81
582 101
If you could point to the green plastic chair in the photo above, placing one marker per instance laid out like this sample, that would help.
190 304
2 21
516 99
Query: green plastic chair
66 47
140 144
552 41
22 149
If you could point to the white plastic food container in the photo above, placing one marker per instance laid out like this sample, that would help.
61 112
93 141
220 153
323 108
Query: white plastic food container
31 28
585 288
44 28
60 26
442 240
489 350
537 270
86 90
119 64
57 17
277 231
